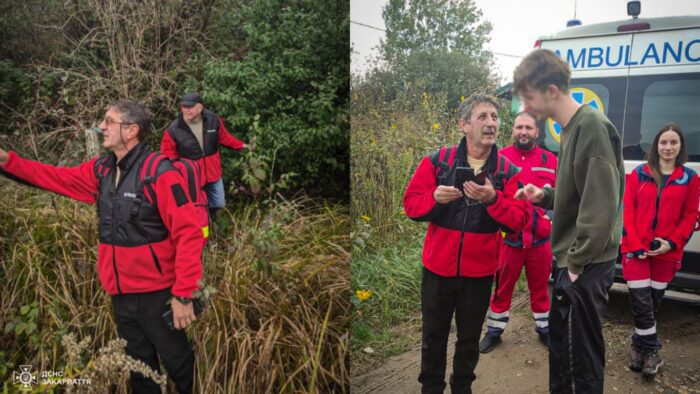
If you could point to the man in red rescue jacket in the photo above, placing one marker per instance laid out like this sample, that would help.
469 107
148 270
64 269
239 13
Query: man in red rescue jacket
462 244
196 134
529 248
149 249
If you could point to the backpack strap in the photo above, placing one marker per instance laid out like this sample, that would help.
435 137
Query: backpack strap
149 174
192 181
100 169
441 160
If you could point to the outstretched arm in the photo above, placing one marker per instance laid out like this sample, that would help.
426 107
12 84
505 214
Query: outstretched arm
79 182
228 140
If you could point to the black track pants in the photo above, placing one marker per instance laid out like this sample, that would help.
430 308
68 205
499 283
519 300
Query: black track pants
576 345
441 297
148 338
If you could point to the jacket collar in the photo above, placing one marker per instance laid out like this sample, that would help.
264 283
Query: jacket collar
677 173
130 158
183 125
491 161
525 152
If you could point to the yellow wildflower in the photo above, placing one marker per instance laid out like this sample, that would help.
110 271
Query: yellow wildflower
436 126
363 295
365 218
461 98
403 212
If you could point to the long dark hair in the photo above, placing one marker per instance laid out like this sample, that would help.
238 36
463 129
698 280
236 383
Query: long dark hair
653 154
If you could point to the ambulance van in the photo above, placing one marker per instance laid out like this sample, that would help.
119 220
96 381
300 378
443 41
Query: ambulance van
642 73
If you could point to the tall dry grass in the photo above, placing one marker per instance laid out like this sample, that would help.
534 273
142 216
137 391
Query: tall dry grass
387 142
279 322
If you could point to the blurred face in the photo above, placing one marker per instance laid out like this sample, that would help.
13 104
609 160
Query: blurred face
669 145
481 128
525 132
537 102
191 113
115 132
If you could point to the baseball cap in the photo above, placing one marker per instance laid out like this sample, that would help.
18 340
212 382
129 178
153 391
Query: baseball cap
190 99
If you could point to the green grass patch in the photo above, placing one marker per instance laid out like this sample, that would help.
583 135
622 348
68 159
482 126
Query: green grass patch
387 321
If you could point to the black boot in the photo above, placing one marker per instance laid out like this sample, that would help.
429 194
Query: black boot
636 359
489 342
652 363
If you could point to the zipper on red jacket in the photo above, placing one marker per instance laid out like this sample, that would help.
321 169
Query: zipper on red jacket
461 238
114 248
656 210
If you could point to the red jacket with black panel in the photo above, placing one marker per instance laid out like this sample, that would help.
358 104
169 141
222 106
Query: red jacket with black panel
464 239
669 213
144 245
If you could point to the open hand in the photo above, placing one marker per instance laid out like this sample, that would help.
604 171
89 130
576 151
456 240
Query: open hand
530 192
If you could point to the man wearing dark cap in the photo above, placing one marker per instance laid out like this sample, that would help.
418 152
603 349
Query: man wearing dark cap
196 134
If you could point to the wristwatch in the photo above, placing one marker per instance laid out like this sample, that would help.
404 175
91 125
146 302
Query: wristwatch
183 300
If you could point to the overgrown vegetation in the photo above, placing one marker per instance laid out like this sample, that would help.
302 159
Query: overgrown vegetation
277 324
277 70
385 323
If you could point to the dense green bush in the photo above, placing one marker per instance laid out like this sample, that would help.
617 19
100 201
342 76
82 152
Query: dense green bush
293 79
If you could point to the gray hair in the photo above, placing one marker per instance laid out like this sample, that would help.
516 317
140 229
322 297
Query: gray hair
465 109
134 113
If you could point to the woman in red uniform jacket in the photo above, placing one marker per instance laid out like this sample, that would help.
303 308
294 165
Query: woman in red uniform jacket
660 211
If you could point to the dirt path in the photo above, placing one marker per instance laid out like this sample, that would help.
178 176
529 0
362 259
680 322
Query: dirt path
520 363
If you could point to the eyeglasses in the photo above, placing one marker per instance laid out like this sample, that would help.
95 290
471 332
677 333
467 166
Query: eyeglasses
108 121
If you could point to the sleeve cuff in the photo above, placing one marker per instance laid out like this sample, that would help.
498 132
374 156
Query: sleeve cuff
672 244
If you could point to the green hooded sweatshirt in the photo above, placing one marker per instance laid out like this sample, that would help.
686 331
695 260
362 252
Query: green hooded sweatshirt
587 201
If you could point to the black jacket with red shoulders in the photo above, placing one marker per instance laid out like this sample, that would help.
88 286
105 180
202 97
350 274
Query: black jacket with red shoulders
464 238
144 245
179 141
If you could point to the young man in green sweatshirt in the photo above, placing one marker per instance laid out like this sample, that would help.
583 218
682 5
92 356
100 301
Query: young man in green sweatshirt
587 223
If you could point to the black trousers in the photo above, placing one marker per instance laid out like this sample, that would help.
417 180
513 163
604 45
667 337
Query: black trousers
576 344
645 303
140 323
441 297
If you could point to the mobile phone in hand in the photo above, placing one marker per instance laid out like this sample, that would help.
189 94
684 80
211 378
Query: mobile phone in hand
463 174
